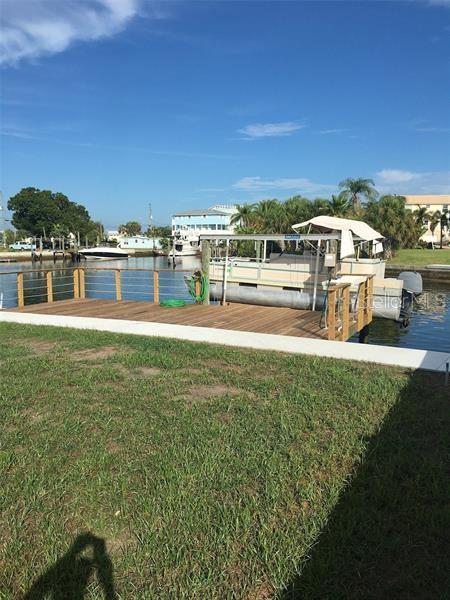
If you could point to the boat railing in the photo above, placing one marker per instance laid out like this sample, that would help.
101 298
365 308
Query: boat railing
48 285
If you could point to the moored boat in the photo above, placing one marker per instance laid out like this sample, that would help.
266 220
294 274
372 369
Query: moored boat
343 251
103 252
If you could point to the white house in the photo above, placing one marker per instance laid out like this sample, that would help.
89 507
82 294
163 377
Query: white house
204 220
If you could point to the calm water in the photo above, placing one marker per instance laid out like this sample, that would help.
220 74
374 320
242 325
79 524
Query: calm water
429 328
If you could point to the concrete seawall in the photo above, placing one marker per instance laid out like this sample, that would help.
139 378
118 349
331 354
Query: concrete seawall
442 275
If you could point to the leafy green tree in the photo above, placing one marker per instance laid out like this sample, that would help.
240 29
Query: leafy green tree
422 215
354 189
297 209
39 211
320 206
131 228
338 206
392 219
164 231
435 220
245 215
269 216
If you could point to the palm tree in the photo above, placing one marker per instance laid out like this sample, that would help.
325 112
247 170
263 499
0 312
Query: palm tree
270 216
421 215
338 205
244 215
355 188
435 219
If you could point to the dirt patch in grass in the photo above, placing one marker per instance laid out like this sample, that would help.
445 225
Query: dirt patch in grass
33 415
149 371
199 394
38 346
34 345
94 354
119 543
264 591
205 392
113 447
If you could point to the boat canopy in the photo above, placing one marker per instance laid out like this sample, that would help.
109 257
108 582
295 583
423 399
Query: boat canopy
348 228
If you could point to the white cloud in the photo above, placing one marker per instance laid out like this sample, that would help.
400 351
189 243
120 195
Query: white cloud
397 176
433 129
34 28
406 182
332 131
261 130
297 184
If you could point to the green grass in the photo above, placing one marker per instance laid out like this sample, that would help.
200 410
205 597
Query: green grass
422 257
174 470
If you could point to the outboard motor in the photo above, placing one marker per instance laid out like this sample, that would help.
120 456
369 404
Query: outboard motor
412 287
412 282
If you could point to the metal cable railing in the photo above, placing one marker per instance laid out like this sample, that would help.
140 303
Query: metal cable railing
19 288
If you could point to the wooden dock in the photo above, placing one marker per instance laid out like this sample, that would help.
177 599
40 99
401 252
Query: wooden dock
339 322
238 317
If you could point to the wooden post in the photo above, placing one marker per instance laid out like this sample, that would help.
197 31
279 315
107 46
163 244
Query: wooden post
198 287
360 305
82 283
370 300
118 285
331 320
20 296
368 305
345 313
155 287
49 276
225 275
206 257
76 283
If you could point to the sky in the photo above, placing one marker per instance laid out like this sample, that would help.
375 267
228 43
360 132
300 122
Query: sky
122 103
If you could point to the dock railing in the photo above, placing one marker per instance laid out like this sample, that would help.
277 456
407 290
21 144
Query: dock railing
343 318
48 285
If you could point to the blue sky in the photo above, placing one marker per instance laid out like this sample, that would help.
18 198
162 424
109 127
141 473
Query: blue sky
118 103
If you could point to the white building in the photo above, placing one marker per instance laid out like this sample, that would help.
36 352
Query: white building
139 242
205 220
433 203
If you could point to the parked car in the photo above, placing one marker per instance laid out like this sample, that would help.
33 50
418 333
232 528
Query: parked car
22 246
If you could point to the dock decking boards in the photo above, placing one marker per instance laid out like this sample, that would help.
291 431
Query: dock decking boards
239 317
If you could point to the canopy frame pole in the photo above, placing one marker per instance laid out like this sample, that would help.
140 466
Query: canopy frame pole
316 277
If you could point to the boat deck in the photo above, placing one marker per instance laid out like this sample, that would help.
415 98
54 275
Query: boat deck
238 317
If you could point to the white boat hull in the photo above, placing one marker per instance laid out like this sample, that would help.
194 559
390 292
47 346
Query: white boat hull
103 253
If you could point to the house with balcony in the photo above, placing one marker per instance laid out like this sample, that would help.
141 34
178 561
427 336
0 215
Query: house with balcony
205 220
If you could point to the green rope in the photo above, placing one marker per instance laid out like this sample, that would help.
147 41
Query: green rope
201 297
172 303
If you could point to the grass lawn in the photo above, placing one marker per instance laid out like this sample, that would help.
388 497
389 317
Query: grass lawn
149 468
422 257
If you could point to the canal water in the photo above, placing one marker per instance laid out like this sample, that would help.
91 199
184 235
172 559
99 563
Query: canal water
429 327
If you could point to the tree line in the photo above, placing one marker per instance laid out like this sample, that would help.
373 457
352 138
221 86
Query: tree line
358 199
47 214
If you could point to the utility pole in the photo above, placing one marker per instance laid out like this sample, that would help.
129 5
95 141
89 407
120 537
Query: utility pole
150 224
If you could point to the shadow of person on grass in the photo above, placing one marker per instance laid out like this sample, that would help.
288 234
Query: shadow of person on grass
69 577
389 534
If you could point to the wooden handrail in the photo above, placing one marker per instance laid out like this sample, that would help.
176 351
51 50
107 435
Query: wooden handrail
338 286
